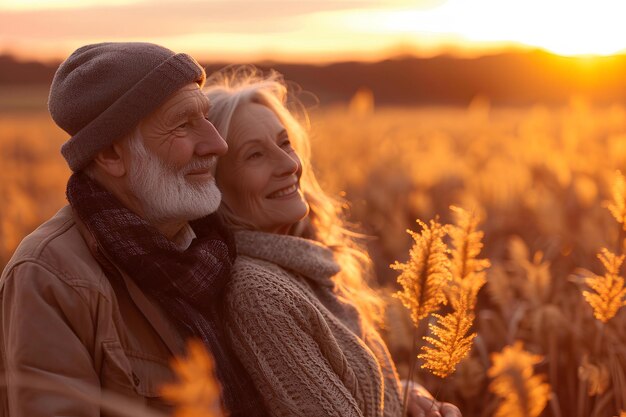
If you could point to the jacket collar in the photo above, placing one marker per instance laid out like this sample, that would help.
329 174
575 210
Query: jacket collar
151 312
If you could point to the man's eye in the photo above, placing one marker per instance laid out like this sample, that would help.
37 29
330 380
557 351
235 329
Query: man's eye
182 125
254 155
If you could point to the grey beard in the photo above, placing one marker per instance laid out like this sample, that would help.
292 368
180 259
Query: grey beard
164 192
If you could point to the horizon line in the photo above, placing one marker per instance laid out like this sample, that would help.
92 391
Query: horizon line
318 61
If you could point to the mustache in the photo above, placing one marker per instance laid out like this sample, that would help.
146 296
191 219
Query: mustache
208 163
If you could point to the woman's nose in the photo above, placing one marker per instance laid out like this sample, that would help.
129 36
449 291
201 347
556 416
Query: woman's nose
286 164
210 141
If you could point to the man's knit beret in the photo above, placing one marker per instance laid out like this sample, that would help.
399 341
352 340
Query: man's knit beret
102 91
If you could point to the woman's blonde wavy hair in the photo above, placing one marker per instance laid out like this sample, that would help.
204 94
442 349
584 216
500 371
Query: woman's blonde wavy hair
234 85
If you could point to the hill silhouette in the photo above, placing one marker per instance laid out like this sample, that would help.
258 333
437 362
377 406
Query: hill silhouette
513 78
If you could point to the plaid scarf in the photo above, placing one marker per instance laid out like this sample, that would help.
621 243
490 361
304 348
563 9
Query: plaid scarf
187 284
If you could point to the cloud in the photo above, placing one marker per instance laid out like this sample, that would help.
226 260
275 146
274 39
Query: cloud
170 18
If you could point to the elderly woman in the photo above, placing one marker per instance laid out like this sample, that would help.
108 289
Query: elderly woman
300 316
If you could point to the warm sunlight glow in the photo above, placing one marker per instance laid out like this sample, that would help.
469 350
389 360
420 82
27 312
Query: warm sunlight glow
566 27
325 30
58 4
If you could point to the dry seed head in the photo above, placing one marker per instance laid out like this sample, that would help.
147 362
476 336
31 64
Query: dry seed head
617 205
596 376
518 250
499 287
468 272
529 277
426 274
465 293
466 244
548 319
522 393
532 279
451 342
538 281
197 394
610 292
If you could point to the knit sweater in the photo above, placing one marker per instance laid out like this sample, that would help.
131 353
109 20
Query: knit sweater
304 345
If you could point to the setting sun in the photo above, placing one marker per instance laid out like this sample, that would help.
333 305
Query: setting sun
560 26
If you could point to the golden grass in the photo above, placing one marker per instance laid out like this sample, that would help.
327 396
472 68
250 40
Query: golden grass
617 205
468 272
540 175
450 341
32 175
197 392
436 274
521 392
425 277
610 292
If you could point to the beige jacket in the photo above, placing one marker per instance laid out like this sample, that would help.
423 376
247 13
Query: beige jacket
65 323
304 345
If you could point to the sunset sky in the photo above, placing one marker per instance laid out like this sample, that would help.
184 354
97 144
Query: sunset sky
315 31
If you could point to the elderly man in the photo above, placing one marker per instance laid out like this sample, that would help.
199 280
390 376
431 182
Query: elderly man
106 291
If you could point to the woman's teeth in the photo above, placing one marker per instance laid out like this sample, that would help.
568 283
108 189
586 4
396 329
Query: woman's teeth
283 192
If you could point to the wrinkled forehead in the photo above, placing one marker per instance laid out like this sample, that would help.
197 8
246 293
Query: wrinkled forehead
254 121
186 102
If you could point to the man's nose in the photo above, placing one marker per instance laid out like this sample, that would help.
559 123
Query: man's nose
210 142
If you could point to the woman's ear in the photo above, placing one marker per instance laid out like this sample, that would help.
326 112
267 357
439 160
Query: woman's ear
113 160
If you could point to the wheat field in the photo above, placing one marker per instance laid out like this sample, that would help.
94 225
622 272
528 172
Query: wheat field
538 176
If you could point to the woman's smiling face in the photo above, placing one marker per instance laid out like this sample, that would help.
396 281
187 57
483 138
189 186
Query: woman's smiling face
259 175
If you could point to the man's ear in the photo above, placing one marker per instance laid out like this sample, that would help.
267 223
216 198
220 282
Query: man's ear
113 159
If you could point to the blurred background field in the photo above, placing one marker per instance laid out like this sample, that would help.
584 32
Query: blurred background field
538 174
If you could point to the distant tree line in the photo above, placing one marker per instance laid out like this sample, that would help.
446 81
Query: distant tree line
513 79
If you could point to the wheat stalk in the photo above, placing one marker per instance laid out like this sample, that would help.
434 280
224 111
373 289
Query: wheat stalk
451 342
522 393
610 292
423 279
197 393
468 272
426 274
617 206
596 377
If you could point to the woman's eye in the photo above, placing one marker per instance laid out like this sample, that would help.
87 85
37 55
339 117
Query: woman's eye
254 155
285 143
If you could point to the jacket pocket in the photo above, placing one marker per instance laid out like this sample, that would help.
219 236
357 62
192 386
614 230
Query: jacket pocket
116 373
135 374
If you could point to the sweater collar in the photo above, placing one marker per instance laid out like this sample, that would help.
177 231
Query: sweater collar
303 256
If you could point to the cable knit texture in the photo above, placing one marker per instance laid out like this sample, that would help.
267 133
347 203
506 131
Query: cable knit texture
304 345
